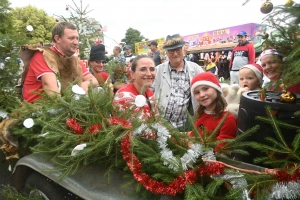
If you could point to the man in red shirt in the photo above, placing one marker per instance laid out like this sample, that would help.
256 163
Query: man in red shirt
46 64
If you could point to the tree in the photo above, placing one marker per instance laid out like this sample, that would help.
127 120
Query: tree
6 17
89 29
133 36
42 24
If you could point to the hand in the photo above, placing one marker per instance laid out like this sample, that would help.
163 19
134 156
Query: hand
85 85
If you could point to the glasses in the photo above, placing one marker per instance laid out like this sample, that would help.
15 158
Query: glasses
144 70
99 61
178 50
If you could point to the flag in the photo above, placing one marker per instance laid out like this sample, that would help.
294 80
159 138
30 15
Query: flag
103 29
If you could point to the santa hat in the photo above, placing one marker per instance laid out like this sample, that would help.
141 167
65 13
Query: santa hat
257 69
205 78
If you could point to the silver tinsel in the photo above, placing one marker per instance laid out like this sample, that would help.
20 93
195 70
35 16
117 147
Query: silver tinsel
289 190
237 181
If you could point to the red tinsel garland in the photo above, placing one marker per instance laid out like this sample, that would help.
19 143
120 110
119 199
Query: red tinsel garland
157 187
211 169
283 176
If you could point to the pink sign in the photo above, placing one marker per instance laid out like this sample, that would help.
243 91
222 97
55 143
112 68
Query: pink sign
224 35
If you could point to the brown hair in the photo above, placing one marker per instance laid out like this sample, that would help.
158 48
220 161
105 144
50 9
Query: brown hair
219 109
136 59
59 29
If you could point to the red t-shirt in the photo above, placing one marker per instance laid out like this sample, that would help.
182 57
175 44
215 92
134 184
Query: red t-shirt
227 131
36 69
125 99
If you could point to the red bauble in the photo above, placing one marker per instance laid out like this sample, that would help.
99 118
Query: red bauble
74 125
56 20
67 8
95 128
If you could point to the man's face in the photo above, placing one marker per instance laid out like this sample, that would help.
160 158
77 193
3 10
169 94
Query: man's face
175 55
152 47
241 39
68 43
186 46
128 51
115 52
97 65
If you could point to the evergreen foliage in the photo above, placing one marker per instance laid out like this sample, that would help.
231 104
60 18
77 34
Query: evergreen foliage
285 20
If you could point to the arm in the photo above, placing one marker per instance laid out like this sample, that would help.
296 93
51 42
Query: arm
86 82
49 83
251 54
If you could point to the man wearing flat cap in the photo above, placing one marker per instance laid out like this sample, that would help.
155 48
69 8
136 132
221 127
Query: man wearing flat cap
155 52
172 84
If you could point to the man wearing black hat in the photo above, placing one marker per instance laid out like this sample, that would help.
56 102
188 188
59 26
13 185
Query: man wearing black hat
156 53
97 62
172 84
242 54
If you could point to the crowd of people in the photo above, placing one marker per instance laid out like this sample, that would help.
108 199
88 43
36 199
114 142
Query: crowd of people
174 87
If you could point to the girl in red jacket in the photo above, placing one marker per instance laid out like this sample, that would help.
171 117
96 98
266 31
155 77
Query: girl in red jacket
212 107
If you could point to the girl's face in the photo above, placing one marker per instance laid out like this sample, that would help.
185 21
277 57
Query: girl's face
270 65
206 96
144 73
248 79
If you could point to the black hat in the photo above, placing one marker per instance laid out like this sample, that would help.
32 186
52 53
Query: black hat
152 43
173 42
97 52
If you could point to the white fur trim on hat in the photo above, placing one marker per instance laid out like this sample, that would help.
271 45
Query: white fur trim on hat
269 52
257 69
208 83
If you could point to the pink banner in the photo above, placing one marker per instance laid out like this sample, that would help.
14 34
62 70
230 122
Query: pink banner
225 35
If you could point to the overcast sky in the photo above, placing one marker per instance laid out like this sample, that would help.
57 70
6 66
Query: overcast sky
158 18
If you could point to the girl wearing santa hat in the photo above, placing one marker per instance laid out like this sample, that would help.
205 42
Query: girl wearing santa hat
212 108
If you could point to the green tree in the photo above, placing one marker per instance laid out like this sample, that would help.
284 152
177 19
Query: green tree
133 36
89 29
42 24
6 18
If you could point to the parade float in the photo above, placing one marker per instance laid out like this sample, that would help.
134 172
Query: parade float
79 146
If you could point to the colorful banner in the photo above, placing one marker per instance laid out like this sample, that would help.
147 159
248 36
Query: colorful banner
225 35
142 47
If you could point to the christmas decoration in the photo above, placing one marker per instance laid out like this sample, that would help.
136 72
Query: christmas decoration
140 101
78 148
74 125
28 123
287 97
266 7
95 128
67 8
262 95
29 28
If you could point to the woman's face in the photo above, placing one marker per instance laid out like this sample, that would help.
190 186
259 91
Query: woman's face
144 73
271 67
